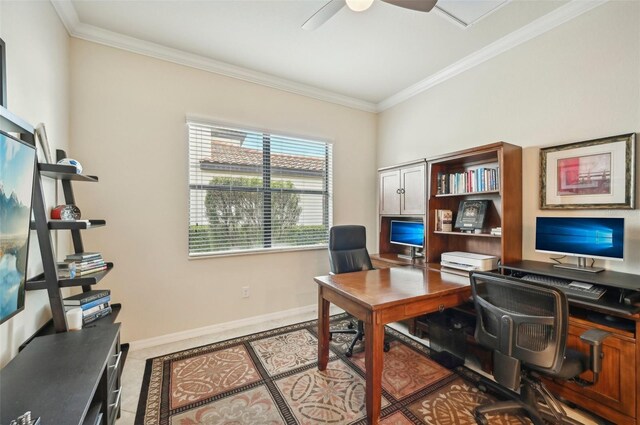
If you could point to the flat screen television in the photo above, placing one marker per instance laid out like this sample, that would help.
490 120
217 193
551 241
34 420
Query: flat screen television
408 233
582 237
17 165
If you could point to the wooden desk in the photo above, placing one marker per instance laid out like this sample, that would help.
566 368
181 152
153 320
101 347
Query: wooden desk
378 297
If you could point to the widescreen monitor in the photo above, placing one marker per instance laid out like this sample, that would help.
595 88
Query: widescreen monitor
583 237
407 233
17 166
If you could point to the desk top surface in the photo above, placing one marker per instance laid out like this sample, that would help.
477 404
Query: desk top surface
382 288
605 278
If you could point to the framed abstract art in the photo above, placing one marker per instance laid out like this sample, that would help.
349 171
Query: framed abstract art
595 174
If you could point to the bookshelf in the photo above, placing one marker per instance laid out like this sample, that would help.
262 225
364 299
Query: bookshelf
49 279
501 186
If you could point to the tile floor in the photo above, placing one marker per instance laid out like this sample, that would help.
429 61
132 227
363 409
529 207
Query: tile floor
136 359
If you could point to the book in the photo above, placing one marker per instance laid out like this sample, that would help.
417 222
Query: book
444 220
94 309
84 256
97 315
471 215
80 273
89 311
67 270
84 265
86 297
90 304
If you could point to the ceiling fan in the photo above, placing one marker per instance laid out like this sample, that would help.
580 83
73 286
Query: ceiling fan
333 6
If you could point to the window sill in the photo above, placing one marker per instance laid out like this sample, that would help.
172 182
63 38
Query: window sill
257 252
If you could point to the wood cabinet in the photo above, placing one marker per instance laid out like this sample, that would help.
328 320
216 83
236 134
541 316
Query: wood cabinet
615 395
402 189
69 378
406 189
504 209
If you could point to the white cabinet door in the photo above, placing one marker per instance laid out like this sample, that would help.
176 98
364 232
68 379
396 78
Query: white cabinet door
412 194
390 192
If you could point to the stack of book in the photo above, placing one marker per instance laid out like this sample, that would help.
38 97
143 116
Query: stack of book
496 231
67 270
94 304
87 263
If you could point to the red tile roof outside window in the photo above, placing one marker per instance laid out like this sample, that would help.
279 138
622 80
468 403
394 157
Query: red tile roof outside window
232 154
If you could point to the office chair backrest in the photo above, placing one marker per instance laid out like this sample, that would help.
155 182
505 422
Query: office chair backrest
520 321
348 249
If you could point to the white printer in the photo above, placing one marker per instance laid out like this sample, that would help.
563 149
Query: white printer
469 261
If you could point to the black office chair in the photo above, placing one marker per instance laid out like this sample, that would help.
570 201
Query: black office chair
526 325
348 253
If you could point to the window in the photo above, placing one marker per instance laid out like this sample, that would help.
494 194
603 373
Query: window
256 191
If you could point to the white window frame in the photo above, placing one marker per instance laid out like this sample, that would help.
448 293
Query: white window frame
266 249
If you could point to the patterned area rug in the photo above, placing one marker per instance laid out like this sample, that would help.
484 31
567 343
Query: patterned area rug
272 378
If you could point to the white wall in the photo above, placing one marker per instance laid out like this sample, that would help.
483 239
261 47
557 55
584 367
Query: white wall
577 82
128 127
37 90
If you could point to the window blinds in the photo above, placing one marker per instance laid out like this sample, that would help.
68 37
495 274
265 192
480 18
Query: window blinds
255 191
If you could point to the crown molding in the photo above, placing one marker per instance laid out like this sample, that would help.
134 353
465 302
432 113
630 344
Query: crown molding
77 29
538 27
69 18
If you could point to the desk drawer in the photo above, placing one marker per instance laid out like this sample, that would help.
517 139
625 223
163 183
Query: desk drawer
114 399
436 304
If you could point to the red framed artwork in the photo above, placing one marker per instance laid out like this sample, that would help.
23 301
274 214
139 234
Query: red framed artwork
589 175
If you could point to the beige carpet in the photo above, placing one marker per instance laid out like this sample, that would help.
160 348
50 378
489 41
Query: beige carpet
272 378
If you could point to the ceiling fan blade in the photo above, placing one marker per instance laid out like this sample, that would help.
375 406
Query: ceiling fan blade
419 5
323 15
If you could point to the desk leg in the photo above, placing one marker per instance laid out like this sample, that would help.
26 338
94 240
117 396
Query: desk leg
374 340
323 331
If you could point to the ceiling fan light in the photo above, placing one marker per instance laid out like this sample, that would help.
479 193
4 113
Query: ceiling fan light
359 5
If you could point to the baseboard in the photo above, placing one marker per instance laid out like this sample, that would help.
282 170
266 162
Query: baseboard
221 327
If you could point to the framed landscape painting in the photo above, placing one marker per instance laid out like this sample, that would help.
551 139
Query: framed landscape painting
17 165
596 174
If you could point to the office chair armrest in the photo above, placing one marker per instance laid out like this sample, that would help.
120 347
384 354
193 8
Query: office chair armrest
594 338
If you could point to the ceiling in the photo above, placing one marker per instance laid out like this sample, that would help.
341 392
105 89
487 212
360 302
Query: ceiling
366 59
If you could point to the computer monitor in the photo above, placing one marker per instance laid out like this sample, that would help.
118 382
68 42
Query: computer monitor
582 237
408 233
17 166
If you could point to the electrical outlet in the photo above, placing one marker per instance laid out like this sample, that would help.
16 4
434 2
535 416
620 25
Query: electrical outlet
245 292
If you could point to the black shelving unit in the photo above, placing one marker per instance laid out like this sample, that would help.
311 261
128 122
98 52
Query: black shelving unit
49 280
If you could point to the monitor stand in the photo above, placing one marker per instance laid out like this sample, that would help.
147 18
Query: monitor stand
411 256
580 267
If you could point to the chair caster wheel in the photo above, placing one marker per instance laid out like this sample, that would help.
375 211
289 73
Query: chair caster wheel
349 353
350 325
480 419
386 347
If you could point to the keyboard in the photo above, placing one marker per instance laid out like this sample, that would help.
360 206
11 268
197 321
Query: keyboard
572 289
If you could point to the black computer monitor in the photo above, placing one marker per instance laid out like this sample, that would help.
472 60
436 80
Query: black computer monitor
408 233
582 237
